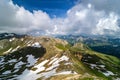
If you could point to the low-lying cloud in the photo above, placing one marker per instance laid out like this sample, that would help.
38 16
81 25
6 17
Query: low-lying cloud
88 17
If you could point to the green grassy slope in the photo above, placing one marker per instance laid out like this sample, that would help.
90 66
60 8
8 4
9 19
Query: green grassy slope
88 64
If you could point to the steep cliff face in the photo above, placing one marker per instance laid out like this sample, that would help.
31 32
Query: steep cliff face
46 58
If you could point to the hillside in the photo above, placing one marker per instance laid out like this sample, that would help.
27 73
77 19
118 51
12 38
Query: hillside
105 44
47 58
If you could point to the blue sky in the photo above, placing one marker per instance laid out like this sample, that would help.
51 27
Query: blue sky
56 8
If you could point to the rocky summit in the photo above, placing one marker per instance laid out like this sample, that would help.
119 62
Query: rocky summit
47 58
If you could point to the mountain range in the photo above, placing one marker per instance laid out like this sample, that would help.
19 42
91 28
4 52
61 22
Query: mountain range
24 57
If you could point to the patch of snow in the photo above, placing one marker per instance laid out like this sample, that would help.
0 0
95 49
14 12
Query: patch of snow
64 58
55 62
13 60
18 65
24 74
108 73
31 60
40 67
1 62
42 63
48 74
68 63
28 42
93 65
7 51
32 75
102 66
22 39
16 70
36 44
12 39
15 49
89 57
52 67
51 71
1 59
29 45
6 72
66 72
20 58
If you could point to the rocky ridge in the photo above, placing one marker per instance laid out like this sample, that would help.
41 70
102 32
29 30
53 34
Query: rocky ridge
47 58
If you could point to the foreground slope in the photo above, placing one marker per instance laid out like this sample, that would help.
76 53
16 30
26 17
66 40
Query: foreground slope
46 58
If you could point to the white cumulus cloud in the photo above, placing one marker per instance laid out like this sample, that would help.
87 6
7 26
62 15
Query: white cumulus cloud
88 17
16 19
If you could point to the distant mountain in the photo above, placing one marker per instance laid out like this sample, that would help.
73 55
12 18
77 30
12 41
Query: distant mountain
104 44
10 35
47 58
